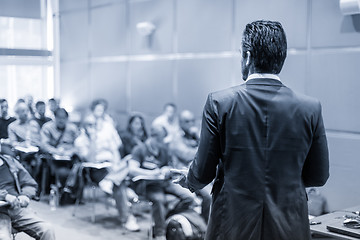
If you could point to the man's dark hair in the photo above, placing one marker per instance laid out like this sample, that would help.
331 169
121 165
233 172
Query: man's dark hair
61 110
39 103
266 42
2 100
170 104
98 102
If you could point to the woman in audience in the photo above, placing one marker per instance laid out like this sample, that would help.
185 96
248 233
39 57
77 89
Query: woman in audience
100 146
99 107
134 134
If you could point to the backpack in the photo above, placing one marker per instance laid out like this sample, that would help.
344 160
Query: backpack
186 225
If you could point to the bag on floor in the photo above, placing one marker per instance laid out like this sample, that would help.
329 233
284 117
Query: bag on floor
187 225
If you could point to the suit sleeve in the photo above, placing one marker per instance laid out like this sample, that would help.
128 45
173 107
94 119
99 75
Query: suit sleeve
316 167
203 169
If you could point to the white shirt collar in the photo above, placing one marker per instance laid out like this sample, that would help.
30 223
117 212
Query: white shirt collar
263 75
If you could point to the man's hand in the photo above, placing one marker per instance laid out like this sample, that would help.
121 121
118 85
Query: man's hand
179 176
24 201
165 172
12 200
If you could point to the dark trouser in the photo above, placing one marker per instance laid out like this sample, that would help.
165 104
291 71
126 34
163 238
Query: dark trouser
156 194
24 220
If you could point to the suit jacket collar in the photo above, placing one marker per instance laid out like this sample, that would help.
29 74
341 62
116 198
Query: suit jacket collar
263 81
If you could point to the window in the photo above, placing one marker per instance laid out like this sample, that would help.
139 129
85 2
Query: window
26 62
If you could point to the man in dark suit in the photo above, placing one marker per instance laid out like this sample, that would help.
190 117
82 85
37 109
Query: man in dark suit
263 144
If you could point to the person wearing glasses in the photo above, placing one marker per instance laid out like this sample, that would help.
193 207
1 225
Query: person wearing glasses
263 144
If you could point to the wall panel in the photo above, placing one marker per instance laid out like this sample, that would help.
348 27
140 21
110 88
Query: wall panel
342 189
71 5
294 73
74 87
291 13
104 75
198 77
74 35
204 25
337 86
102 3
151 86
161 14
330 28
104 40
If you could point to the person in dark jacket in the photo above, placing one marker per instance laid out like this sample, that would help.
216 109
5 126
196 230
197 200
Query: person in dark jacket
39 115
263 144
5 119
17 187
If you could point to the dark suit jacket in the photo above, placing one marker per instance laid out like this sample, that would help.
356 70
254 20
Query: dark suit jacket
264 144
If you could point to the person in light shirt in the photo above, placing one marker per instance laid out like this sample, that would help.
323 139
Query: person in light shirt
96 145
168 119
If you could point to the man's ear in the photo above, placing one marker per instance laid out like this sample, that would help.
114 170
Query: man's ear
248 55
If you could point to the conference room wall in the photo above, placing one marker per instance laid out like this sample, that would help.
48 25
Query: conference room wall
194 50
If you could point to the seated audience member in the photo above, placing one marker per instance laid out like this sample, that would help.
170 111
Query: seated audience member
105 129
36 123
99 146
54 104
58 139
169 121
134 134
20 131
16 192
150 160
184 148
317 203
23 134
185 144
5 119
39 115
99 108
29 100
